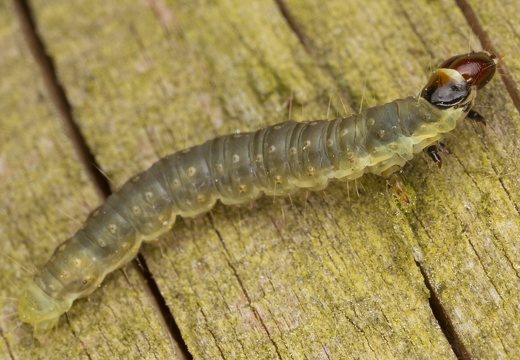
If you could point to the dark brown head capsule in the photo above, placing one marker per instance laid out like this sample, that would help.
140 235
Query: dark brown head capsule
451 84
477 68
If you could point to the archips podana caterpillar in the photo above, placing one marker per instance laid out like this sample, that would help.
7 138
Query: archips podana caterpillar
234 169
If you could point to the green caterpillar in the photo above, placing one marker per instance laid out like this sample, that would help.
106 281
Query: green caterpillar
234 169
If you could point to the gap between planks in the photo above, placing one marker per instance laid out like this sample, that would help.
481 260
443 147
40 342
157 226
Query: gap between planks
58 98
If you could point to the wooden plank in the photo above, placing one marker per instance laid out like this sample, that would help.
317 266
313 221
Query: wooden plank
466 215
227 286
304 277
45 192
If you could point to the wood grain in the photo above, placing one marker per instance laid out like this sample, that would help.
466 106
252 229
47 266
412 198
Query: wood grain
45 194
323 275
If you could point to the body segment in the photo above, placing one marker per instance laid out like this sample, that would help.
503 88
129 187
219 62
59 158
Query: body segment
235 169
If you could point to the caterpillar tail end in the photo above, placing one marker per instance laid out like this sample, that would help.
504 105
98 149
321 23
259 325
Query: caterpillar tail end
37 308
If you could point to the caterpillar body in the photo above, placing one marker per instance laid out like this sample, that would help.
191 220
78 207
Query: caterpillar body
237 168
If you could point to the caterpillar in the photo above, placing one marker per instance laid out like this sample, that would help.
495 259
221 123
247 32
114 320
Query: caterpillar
238 168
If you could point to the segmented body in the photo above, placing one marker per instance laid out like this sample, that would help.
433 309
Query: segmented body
234 169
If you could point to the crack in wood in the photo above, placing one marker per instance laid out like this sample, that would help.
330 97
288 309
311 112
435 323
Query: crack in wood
477 28
443 319
58 96
83 346
439 312
11 355
243 289
310 48
211 331
163 307
295 27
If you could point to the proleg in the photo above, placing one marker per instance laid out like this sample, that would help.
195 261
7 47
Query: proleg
238 168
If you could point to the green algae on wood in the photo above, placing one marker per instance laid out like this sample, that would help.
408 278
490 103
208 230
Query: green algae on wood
303 276
45 193
468 253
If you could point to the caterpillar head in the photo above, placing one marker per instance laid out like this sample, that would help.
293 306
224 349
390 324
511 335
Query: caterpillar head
455 83
39 309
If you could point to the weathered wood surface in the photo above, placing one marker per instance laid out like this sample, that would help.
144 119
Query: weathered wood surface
45 192
326 275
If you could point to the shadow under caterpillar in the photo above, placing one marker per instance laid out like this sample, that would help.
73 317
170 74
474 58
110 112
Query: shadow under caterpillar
237 168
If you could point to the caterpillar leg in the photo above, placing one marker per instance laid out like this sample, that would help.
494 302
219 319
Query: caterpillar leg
398 189
476 117
435 150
